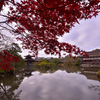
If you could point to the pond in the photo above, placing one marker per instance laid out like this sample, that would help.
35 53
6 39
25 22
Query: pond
58 85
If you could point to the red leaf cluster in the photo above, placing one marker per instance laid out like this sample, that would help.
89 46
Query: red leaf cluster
6 60
40 22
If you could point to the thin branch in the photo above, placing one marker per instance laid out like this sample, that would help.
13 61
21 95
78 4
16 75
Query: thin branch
14 30
4 21
4 15
10 26
5 28
12 2
2 36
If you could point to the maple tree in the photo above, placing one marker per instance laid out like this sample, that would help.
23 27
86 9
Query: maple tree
39 23
7 53
6 60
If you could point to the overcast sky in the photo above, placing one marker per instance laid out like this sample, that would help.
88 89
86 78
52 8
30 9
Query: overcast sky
85 35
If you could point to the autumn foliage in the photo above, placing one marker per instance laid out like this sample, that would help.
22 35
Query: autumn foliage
6 60
39 23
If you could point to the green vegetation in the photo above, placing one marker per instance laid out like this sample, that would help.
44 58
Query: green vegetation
21 64
2 72
78 62
46 65
56 61
70 61
98 73
96 50
67 63
14 49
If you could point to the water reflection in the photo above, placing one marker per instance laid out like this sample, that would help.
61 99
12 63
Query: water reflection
8 85
96 88
59 85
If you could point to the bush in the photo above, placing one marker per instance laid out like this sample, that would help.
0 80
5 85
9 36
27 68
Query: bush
8 71
98 73
56 61
2 71
44 64
78 63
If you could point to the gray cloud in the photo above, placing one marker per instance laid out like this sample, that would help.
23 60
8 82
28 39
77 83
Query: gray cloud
84 35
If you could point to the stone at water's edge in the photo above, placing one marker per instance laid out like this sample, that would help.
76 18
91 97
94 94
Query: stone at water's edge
28 73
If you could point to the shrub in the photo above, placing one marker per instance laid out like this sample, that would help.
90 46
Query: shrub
98 73
2 71
56 61
44 64
78 63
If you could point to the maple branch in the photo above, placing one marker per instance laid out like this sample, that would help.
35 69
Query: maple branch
36 12
4 15
14 30
10 26
5 28
53 8
4 21
2 36
10 2
10 19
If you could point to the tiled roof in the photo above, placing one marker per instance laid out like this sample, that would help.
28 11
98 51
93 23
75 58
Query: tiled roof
94 53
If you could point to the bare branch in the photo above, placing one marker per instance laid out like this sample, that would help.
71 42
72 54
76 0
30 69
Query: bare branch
4 15
5 28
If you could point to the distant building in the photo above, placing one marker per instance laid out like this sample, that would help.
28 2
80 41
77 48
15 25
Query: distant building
50 58
39 59
93 59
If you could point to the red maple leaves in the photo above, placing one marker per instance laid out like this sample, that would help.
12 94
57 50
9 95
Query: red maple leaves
46 20
6 60
39 23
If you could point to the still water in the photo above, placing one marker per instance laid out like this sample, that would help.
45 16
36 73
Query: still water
59 85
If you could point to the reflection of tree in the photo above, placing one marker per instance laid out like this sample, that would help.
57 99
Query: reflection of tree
90 76
46 70
53 69
8 85
5 94
96 88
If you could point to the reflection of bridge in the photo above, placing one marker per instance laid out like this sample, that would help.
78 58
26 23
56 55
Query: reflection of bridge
92 70
91 76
